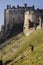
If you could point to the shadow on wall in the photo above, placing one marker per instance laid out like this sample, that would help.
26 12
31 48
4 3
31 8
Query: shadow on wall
31 24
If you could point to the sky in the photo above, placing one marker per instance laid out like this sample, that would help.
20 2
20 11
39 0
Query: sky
4 3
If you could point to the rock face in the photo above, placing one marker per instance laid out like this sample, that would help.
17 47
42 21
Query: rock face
32 20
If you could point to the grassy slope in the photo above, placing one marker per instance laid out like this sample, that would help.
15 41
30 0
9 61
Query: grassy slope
34 57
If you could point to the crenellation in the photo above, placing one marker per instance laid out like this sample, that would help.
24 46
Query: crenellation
8 6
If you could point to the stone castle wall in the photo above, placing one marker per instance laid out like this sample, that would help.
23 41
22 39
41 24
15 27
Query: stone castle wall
32 21
27 16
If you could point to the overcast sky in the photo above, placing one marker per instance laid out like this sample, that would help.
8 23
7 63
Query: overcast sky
4 3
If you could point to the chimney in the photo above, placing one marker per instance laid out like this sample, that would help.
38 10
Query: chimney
33 6
13 7
8 6
25 5
17 6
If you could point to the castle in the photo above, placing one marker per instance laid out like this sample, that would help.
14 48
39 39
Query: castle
33 20
20 19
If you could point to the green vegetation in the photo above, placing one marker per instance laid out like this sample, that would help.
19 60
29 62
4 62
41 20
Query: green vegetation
19 51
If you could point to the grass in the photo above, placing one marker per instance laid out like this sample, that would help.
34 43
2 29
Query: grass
34 57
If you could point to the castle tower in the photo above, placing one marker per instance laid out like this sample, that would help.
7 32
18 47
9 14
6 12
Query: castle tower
6 14
30 18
